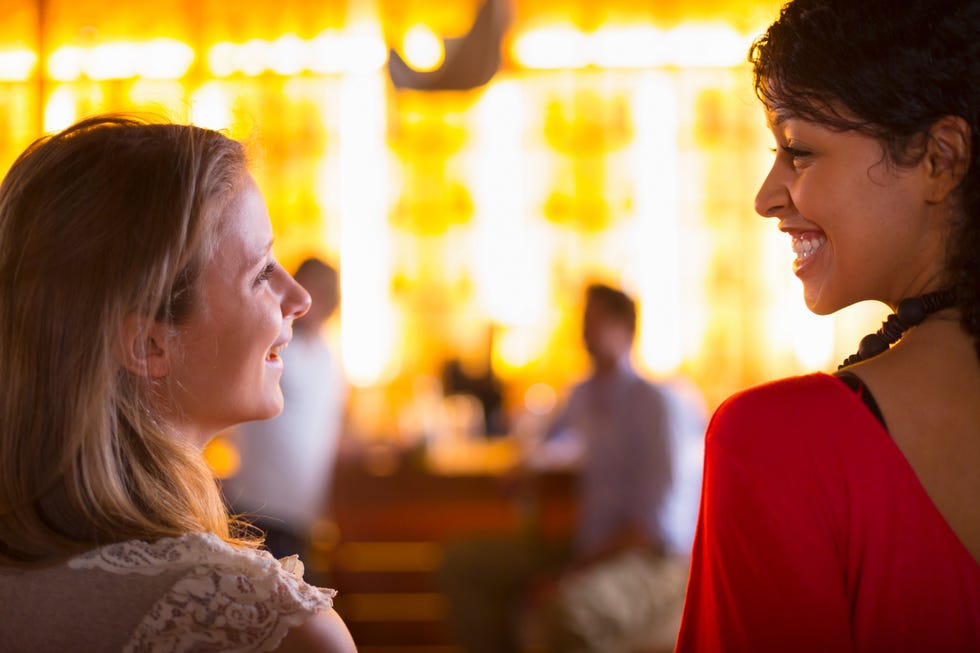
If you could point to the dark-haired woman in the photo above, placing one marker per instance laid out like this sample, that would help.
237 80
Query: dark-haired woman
842 512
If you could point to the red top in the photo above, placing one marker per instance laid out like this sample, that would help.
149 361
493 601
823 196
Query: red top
816 535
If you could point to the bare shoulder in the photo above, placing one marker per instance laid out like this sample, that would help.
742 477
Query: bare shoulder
324 632
927 388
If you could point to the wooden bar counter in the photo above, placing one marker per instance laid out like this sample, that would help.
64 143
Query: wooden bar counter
392 514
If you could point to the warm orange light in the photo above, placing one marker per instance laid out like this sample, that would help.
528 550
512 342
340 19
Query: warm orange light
16 65
422 49
222 457
368 321
164 59
706 45
656 239
65 64
154 59
634 46
289 55
551 47
211 107
540 398
60 110
691 45
332 52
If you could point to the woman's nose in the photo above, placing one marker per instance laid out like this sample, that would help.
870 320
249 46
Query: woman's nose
773 198
296 300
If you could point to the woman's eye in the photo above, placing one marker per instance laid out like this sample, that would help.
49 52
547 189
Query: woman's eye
795 153
266 273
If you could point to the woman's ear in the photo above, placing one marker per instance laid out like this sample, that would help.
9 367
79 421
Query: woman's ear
142 347
947 156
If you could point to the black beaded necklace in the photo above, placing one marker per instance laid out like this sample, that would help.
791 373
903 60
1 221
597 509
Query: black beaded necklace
911 311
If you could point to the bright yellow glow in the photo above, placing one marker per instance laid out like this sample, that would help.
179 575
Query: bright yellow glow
332 52
290 55
222 457
367 319
161 96
707 45
65 64
364 52
253 57
552 47
510 253
656 239
514 348
112 61
628 47
791 327
221 59
691 46
327 53
61 110
16 65
813 335
360 47
422 49
154 59
164 59
210 107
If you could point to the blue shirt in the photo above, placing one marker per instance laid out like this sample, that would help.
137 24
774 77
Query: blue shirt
622 422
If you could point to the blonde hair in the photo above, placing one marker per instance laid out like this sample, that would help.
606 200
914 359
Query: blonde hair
112 217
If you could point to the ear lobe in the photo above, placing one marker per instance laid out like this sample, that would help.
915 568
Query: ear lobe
947 156
140 347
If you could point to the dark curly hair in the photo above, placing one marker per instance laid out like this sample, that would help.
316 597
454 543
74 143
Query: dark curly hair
896 68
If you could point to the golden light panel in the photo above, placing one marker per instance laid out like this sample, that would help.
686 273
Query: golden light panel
630 46
60 110
368 323
331 52
656 268
211 107
17 65
160 58
511 269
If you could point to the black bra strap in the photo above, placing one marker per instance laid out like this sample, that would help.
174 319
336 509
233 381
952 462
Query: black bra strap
855 383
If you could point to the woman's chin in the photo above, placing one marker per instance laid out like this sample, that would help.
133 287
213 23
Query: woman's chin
818 302
271 407
274 408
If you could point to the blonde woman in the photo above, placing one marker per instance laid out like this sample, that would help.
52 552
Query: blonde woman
141 312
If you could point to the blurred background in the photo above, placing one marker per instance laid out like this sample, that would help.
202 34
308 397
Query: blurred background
470 167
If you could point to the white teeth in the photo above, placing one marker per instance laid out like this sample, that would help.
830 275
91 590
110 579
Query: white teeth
804 245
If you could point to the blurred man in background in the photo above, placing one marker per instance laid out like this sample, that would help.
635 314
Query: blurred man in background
617 583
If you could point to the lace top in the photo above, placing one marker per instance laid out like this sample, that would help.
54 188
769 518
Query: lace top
205 595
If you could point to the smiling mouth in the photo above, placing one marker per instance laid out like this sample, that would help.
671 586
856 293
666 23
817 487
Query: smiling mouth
805 245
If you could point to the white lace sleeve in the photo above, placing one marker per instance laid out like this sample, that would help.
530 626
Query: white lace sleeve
225 599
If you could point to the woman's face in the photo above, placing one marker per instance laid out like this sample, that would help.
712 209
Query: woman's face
861 227
227 366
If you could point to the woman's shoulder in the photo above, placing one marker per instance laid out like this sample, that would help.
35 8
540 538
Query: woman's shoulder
222 596
797 398
780 414
795 389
